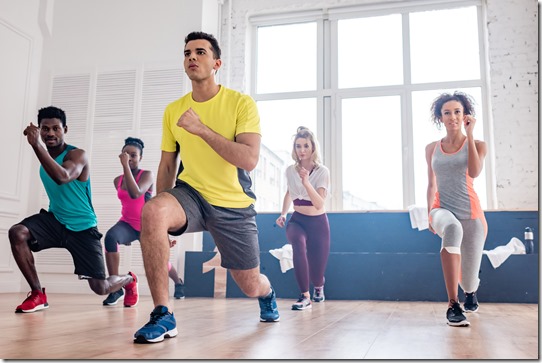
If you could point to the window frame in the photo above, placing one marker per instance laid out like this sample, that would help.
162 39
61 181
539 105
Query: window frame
329 96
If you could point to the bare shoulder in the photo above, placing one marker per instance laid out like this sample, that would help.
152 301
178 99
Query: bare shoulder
147 175
77 156
430 147
481 146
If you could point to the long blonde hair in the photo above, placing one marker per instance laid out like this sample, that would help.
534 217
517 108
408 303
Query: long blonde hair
304 133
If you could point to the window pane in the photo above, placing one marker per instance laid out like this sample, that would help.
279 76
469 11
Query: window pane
425 132
444 45
279 122
370 51
283 65
371 153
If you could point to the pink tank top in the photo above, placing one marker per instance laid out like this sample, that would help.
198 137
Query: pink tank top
131 208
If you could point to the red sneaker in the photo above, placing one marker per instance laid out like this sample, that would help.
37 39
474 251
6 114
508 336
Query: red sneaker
36 300
131 297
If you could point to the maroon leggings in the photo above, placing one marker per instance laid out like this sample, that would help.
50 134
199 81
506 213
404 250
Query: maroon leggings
309 237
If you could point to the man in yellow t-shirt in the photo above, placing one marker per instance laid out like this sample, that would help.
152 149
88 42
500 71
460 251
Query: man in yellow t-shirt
218 130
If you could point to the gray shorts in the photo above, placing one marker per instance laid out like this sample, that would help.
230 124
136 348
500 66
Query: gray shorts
234 230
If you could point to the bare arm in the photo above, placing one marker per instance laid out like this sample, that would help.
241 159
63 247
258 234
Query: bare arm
286 203
317 197
477 149
135 189
243 152
431 179
73 167
167 171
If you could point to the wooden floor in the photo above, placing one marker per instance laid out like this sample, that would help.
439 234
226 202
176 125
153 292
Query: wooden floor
79 327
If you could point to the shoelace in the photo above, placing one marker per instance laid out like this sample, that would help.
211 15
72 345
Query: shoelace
457 309
268 304
154 319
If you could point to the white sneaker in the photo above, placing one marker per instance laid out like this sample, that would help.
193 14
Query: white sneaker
302 303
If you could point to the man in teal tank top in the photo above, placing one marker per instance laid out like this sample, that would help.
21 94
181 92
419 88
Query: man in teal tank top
69 223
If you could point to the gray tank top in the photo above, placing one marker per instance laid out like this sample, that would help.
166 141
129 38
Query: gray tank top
455 190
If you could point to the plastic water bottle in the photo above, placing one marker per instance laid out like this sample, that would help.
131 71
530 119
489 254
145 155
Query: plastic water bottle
529 245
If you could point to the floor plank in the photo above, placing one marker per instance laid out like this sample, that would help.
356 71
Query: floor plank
77 326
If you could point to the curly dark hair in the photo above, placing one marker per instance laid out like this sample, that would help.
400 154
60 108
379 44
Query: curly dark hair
52 112
436 107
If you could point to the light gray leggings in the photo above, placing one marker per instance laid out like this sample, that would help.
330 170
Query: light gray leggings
465 237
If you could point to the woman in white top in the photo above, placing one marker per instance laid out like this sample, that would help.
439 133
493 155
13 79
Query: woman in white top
308 228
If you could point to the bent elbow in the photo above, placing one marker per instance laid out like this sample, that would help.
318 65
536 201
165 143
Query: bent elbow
475 173
251 165
61 180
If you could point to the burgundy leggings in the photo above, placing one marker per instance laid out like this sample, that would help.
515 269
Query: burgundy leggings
309 237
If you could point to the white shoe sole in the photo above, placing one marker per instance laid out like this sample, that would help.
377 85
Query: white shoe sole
37 308
169 334
294 307
462 323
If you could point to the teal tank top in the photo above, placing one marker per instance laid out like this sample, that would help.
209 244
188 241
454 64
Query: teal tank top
71 203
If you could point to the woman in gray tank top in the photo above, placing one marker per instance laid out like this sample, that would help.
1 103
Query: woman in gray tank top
454 209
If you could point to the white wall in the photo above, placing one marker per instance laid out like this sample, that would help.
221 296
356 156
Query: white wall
513 59
21 43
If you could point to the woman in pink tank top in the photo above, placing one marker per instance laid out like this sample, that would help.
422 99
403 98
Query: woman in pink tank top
134 188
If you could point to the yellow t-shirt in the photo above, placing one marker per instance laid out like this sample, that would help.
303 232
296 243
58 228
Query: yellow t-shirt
229 113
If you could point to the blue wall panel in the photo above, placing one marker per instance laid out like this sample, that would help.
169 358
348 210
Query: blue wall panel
378 256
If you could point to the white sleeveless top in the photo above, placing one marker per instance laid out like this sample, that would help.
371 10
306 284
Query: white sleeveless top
319 178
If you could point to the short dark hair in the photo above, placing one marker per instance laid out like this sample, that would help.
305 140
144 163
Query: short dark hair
134 141
52 112
436 107
206 36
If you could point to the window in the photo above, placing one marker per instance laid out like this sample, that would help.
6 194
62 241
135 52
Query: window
363 79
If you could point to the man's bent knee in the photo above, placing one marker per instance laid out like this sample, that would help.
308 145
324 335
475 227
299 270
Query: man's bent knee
98 286
249 281
153 210
18 234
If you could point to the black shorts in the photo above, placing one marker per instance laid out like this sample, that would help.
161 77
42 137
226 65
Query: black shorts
84 246
234 230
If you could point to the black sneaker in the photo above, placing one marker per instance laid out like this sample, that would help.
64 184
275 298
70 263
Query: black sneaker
455 315
179 291
113 298
471 302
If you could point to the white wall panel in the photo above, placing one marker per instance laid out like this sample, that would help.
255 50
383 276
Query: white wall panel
14 75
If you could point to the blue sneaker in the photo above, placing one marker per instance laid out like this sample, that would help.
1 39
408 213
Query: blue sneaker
162 325
268 307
